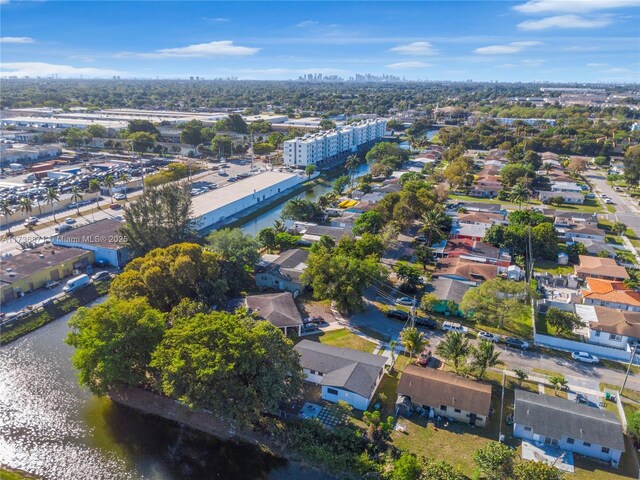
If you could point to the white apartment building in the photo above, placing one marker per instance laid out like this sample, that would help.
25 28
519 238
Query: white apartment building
315 148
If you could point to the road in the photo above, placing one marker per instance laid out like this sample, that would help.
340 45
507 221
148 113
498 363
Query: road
578 374
627 210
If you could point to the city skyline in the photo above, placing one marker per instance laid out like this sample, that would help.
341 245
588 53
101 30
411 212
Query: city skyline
588 41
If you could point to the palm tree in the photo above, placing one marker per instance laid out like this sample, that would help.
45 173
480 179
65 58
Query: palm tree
94 186
26 206
52 197
413 340
547 167
558 382
279 225
392 347
109 183
484 357
455 347
519 193
434 222
522 376
7 211
351 164
124 179
76 196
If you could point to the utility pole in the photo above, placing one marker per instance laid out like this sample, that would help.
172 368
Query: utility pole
626 376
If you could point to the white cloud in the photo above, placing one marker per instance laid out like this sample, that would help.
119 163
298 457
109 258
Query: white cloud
513 47
564 21
306 23
40 69
216 19
212 49
415 48
16 40
580 48
572 6
597 65
532 62
405 65
616 70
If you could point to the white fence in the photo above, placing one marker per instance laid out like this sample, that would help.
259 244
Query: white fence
572 345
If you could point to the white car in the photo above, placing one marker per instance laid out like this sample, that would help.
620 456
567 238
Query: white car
119 196
490 337
585 357
70 221
454 327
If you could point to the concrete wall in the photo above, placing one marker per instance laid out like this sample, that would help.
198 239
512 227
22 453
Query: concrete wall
266 279
116 258
353 399
604 339
571 346
461 416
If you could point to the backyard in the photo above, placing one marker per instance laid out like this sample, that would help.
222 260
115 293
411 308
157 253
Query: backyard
343 338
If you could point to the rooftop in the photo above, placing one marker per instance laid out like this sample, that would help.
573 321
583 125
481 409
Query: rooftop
602 267
475 271
610 291
346 368
431 387
448 289
103 233
28 262
557 417
278 308
616 321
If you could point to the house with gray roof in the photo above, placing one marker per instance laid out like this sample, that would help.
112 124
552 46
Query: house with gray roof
278 308
567 425
282 272
343 373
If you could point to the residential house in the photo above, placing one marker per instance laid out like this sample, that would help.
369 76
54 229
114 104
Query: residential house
482 218
103 238
565 219
468 231
312 233
446 394
596 267
282 272
482 207
31 269
565 187
343 373
596 247
614 328
574 198
477 251
590 233
450 293
464 270
486 186
610 294
278 308
570 426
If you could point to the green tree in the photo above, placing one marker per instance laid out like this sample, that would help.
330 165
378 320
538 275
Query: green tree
326 124
562 321
409 277
368 222
556 201
167 275
300 210
340 277
97 131
7 211
109 182
286 241
76 197
239 252
142 141
496 302
222 144
455 348
428 302
521 375
406 467
388 154
424 255
440 470
413 341
512 173
434 223
114 341
158 218
267 238
275 139
191 132
351 163
378 430
633 424
495 460
575 250
231 364
264 148
145 126
618 228
484 356
340 184
94 187
519 194
631 163
51 196
310 170
559 383
534 470
26 205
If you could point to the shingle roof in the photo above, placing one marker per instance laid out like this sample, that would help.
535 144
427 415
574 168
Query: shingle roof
556 417
611 320
596 266
588 231
345 368
448 289
278 308
431 387
466 269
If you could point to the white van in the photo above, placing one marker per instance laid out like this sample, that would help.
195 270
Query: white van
76 283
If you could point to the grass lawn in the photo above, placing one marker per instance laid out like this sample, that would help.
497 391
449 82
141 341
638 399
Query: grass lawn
587 469
589 206
519 326
544 328
505 203
552 267
343 338
10 474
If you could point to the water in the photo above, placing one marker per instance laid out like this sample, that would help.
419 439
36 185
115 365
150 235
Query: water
53 428
266 219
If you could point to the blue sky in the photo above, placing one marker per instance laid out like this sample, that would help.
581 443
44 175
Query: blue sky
535 40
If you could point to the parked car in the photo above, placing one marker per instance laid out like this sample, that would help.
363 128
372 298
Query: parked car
399 314
590 196
490 337
516 343
70 221
232 179
409 302
63 228
429 323
420 238
608 201
101 276
222 173
454 327
51 284
423 358
314 320
119 196
585 357
310 327
76 282
31 221
115 206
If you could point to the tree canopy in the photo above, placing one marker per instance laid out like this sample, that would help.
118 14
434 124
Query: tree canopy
239 254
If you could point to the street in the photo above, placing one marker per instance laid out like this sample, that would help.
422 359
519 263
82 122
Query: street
627 211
